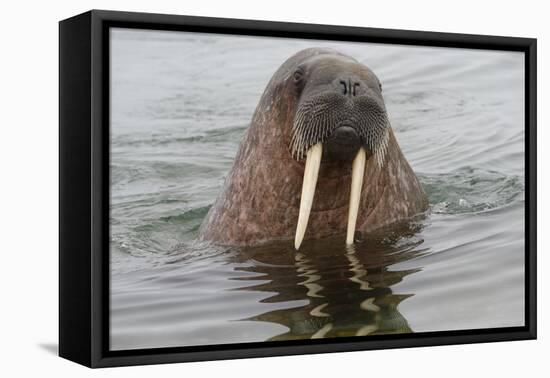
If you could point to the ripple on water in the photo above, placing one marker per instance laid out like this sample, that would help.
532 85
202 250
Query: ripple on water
471 190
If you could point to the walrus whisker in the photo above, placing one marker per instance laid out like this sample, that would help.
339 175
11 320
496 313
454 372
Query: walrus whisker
317 118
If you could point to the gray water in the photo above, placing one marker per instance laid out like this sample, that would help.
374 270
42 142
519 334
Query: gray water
180 105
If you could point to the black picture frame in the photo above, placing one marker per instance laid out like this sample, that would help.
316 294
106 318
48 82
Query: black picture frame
84 187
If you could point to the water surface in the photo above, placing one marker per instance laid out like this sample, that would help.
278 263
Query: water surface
180 105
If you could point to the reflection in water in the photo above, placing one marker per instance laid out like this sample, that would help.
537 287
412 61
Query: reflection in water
337 290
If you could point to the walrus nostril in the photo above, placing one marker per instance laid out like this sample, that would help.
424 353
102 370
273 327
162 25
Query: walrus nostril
349 87
345 87
354 89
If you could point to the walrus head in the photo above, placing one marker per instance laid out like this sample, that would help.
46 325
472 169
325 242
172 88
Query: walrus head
340 115
320 129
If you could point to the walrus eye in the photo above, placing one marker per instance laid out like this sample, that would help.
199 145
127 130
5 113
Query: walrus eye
380 86
298 76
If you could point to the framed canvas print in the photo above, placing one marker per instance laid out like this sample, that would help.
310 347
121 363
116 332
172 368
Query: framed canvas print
234 188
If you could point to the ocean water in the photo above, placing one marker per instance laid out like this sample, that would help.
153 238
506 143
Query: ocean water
180 103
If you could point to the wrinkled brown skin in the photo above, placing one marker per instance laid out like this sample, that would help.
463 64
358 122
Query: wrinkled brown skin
261 196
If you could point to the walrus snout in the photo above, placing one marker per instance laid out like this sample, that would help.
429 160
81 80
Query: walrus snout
344 120
343 144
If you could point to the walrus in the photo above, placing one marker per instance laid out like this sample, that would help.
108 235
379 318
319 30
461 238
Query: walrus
318 159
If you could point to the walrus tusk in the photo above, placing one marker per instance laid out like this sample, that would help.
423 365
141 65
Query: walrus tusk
357 173
311 172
